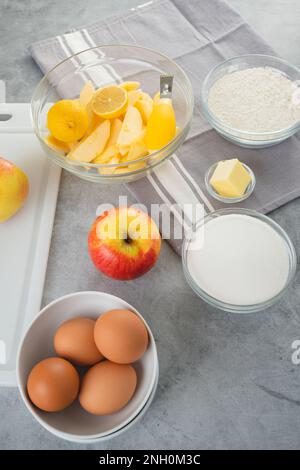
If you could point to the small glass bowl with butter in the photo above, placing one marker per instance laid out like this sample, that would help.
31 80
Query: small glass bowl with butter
230 181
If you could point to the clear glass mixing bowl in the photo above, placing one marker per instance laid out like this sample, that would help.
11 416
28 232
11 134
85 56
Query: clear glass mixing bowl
234 308
104 65
240 137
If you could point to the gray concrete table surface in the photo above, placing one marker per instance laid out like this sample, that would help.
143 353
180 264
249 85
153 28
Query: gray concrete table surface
226 381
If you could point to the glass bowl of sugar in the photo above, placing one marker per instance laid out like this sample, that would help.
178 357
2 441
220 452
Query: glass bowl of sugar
253 100
238 260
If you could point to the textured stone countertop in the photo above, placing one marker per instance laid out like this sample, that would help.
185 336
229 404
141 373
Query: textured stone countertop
226 381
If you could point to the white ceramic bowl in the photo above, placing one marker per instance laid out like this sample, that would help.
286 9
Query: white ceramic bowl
74 423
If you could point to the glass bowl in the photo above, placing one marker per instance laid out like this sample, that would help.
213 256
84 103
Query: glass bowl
229 200
237 136
228 307
104 65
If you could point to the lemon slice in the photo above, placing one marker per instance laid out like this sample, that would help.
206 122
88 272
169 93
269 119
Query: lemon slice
110 102
67 120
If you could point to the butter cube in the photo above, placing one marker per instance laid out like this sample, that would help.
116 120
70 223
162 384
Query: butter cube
230 178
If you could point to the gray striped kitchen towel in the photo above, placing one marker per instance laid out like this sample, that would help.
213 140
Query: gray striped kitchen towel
197 34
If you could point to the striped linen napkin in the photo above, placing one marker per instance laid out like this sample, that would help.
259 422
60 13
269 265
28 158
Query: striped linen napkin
198 35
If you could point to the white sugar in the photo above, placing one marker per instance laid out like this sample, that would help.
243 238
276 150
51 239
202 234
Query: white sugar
243 261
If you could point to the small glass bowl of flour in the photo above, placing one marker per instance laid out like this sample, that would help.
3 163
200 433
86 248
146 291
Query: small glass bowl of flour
253 100
238 260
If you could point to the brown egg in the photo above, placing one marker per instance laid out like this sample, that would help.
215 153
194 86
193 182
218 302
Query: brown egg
53 384
121 336
107 387
74 340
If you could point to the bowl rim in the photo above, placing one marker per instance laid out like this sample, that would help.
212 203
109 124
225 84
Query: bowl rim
221 124
182 132
226 306
229 200
28 403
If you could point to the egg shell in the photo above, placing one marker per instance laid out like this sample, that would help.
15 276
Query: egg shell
121 336
74 340
107 387
53 384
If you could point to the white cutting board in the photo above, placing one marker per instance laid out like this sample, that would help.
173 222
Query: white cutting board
25 238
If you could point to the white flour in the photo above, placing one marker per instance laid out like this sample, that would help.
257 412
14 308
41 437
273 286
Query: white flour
257 99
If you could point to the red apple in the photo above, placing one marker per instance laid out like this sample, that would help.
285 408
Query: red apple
124 243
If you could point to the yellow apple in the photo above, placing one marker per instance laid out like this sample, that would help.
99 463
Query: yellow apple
14 188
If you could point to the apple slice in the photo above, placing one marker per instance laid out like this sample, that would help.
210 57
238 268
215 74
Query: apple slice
139 140
130 86
145 96
138 148
122 170
131 127
115 129
133 97
136 151
108 153
92 145
86 93
145 107
136 166
111 148
123 149
130 167
85 99
110 170
94 120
